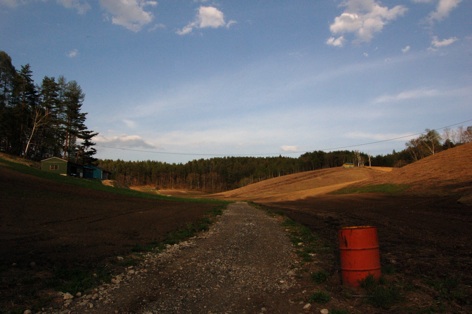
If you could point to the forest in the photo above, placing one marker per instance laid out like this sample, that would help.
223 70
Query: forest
46 120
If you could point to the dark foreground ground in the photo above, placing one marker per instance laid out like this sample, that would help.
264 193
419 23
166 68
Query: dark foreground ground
425 241
51 232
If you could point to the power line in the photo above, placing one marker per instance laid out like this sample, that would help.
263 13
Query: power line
269 154
398 138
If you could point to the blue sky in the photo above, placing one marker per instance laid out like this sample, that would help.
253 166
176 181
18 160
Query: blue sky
176 80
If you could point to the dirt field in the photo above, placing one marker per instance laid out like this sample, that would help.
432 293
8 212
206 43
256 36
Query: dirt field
424 233
46 227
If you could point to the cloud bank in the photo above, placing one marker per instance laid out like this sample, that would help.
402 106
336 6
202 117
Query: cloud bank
123 141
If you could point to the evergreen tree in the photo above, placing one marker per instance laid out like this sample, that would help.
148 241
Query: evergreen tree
7 80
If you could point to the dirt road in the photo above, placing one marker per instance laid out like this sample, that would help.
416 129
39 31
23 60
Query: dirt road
244 264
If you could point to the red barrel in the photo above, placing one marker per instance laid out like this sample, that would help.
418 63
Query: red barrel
360 257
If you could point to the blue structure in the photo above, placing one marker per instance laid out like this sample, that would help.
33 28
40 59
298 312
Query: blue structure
94 172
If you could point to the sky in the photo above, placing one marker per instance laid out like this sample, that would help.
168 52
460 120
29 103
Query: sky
178 80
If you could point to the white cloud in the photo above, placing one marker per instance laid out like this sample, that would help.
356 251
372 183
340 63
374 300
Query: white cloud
81 6
443 8
123 141
336 42
436 43
289 148
363 18
131 14
406 49
207 17
406 95
73 53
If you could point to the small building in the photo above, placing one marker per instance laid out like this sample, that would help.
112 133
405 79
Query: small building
94 172
62 167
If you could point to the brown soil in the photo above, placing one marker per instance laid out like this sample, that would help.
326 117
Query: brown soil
46 226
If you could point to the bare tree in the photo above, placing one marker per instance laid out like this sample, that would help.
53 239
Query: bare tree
39 119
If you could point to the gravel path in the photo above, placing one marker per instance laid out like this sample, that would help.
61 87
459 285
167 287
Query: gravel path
244 264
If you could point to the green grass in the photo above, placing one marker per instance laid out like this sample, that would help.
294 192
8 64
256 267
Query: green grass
381 293
386 188
320 277
320 297
303 239
450 289
77 279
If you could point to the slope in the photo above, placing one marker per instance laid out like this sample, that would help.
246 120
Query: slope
446 173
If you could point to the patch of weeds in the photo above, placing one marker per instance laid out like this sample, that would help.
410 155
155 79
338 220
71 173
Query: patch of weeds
388 270
380 293
303 239
77 279
385 297
338 311
320 277
320 297
450 289
216 211
369 283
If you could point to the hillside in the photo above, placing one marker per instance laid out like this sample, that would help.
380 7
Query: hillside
447 172
301 185
443 173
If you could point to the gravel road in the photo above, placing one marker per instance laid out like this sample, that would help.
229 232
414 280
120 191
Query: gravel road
244 264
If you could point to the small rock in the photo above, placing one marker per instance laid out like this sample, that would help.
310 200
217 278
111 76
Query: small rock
120 258
307 306
78 294
68 296
27 312
324 311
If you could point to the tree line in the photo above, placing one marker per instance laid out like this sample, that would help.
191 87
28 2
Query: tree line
40 121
